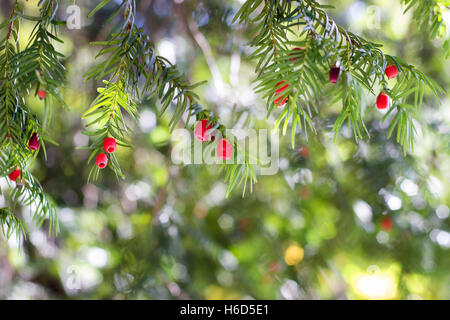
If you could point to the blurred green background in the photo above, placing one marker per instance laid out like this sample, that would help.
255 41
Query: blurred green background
313 231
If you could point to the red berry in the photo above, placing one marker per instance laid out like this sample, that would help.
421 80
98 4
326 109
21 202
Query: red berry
224 149
102 160
383 101
279 90
386 223
281 100
334 74
14 175
41 94
391 72
110 145
294 53
201 130
304 152
33 143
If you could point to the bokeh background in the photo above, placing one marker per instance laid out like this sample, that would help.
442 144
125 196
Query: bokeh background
339 221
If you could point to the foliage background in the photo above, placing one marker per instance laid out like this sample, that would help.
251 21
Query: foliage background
168 232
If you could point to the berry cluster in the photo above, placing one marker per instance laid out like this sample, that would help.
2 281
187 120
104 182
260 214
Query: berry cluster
33 145
202 133
110 146
33 142
383 100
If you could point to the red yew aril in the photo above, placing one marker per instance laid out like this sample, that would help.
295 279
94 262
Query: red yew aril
281 89
334 74
110 145
293 53
102 160
281 100
33 143
391 72
386 223
41 94
224 149
383 101
304 152
201 131
14 175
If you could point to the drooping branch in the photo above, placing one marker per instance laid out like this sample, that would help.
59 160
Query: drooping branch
135 73
22 134
309 44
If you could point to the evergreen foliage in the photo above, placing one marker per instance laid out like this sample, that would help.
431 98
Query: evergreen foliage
340 220
294 41
36 67
298 42
430 16
135 73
